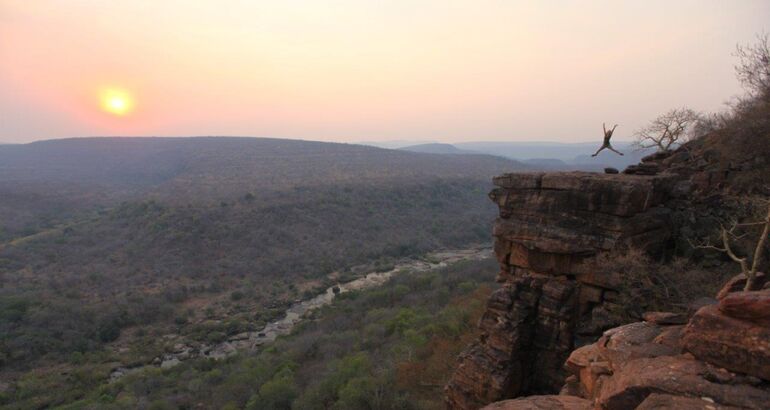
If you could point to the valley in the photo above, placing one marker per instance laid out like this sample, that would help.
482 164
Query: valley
148 253
250 341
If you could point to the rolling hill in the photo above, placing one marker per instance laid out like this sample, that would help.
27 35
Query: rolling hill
103 240
41 182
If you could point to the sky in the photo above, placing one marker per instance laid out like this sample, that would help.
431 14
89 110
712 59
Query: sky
357 70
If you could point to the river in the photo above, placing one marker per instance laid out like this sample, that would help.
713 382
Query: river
250 341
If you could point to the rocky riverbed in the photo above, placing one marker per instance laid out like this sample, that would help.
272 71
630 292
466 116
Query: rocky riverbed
250 341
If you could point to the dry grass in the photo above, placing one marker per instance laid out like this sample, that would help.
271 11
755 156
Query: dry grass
647 285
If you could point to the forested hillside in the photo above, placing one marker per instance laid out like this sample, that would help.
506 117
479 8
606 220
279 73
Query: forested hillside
107 242
42 182
391 347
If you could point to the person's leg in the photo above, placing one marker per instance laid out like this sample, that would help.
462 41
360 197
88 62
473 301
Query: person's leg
614 150
599 150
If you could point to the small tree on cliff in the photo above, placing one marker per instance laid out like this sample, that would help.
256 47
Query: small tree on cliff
750 263
668 130
753 67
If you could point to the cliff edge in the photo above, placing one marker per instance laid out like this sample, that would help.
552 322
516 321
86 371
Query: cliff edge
550 228
548 330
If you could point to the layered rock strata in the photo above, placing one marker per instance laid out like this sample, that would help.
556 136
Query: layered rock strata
551 227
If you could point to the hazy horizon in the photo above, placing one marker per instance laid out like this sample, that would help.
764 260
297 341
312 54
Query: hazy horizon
392 144
345 71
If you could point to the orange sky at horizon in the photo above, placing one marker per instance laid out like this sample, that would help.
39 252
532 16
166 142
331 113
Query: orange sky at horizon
349 70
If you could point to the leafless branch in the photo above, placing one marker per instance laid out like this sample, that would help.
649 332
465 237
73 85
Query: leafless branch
727 235
668 130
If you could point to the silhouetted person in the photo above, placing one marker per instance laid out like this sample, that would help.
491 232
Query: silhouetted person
606 144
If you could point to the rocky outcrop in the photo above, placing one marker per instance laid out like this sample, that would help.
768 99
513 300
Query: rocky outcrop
550 229
714 362
719 359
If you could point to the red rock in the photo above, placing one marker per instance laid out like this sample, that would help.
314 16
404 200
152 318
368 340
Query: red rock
753 306
665 318
551 226
657 401
632 341
630 386
626 370
542 403
738 282
671 336
737 345
527 335
521 180
589 366
582 357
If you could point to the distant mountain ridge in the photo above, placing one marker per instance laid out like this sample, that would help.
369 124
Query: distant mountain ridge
437 148
250 163
544 155
65 174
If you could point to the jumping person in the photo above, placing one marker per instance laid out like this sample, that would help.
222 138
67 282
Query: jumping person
606 144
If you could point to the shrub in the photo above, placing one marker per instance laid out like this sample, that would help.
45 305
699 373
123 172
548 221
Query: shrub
646 285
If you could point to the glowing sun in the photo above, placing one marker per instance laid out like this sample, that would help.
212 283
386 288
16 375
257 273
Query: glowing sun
116 101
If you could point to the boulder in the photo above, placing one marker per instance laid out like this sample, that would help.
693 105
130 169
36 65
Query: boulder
735 344
610 170
665 318
753 306
671 336
658 401
632 341
640 366
590 367
542 403
738 283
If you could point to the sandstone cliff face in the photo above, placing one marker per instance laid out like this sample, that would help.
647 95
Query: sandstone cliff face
550 228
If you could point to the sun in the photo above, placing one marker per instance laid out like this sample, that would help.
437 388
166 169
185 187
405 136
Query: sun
116 101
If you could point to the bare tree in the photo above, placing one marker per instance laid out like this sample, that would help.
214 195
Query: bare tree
668 130
749 265
753 67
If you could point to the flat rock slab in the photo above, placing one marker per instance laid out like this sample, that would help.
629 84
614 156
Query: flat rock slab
542 403
658 401
680 375
665 318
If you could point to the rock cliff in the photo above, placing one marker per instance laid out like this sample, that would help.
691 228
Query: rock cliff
547 330
550 228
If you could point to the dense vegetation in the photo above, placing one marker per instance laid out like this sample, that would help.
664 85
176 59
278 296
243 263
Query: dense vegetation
390 347
142 263
109 246
44 183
